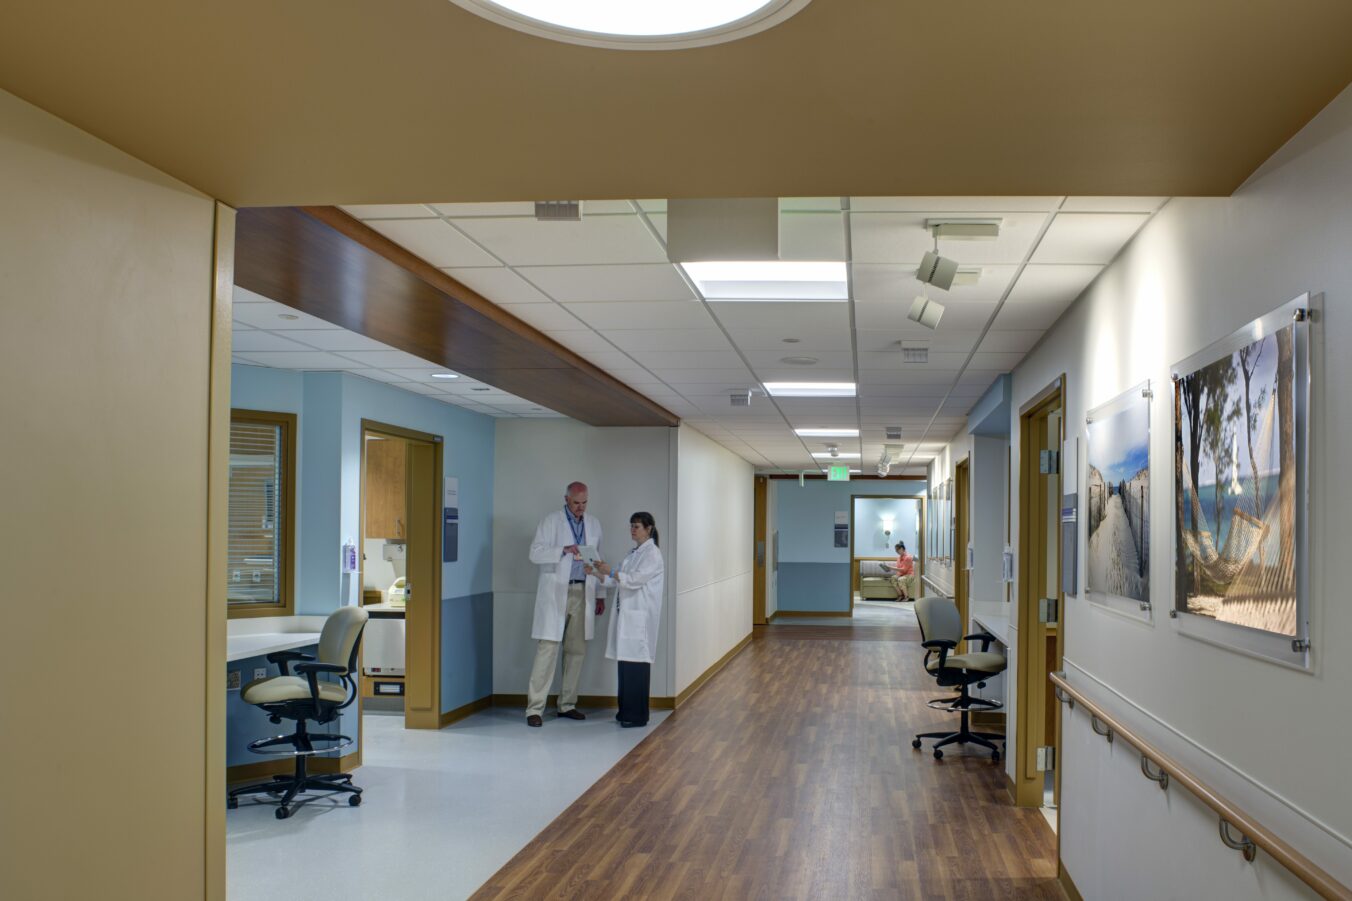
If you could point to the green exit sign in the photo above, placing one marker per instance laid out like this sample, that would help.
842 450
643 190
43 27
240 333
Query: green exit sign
838 472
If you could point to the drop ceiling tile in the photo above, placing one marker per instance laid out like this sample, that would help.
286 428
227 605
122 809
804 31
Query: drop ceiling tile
613 359
256 339
903 238
335 339
916 377
633 375
1087 237
659 222
389 211
243 295
421 388
582 342
434 241
653 206
594 239
774 358
731 377
378 375
639 340
425 376
791 319
547 317
812 236
689 359
614 283
940 340
811 342
1042 294
645 315
388 359
1018 341
809 204
803 374
306 359
953 205
498 284
1112 204
268 316
238 326
992 359
939 361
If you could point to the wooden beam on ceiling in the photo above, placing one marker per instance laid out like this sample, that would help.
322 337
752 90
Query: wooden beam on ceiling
324 262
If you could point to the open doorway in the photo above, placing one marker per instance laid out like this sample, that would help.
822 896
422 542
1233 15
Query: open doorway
882 589
961 572
400 571
1040 641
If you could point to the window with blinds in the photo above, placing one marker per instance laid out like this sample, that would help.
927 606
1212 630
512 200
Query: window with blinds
258 559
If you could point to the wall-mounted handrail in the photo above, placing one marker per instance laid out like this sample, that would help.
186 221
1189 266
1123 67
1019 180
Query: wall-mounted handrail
1232 819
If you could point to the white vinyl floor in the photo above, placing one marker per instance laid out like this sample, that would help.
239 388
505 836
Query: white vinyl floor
442 811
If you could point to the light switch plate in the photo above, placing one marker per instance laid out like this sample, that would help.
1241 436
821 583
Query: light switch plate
260 672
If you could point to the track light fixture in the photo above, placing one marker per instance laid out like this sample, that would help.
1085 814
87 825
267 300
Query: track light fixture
926 312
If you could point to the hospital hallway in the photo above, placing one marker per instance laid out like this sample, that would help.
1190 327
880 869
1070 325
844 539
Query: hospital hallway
791 775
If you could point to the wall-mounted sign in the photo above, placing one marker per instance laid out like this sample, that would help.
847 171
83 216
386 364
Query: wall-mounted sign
450 521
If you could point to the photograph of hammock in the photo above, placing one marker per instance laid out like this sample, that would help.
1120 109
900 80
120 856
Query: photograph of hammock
1235 476
1118 496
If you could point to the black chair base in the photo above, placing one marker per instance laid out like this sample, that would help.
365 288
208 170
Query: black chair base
963 736
288 787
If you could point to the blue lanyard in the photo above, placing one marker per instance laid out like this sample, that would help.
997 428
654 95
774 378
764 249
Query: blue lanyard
579 527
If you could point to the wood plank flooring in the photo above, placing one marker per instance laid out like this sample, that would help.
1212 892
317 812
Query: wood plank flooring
791 775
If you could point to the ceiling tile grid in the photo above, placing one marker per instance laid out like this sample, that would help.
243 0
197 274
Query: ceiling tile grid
603 287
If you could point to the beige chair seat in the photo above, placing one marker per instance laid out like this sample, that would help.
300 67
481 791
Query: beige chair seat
974 662
290 688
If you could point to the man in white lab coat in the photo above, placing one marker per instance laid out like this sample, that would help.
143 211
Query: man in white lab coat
563 615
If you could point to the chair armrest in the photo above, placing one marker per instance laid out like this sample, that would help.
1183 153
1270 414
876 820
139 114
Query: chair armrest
984 637
311 672
282 658
942 645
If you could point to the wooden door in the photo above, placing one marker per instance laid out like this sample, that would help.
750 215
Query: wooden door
422 638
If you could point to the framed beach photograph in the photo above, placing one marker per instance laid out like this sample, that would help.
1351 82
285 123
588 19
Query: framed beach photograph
1117 502
1241 426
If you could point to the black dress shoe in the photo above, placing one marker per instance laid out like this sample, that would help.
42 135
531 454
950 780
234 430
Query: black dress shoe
534 720
573 714
624 725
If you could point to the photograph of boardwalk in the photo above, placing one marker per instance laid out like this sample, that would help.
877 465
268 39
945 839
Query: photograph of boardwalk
1118 498
1235 472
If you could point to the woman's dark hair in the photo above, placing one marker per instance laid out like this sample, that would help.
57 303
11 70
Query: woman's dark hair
901 546
645 520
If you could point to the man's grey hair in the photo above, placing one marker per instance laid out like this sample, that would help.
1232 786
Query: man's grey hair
575 488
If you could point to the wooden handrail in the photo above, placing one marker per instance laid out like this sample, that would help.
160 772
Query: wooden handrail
1253 833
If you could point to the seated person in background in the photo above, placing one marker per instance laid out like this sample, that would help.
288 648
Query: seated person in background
904 578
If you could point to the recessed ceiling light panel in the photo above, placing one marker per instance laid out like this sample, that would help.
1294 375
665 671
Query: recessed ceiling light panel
810 389
637 24
835 456
770 280
445 375
827 433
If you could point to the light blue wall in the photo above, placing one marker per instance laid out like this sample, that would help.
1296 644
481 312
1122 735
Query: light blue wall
869 538
331 407
812 573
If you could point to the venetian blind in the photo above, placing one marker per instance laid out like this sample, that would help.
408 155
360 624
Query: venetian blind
256 514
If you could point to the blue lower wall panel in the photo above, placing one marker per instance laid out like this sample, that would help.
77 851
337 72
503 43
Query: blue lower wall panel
823 587
466 650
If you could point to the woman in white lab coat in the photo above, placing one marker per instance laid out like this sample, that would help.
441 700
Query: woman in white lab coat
639 579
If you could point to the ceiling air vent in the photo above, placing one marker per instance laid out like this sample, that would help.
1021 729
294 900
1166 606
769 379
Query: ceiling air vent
894 433
914 352
558 210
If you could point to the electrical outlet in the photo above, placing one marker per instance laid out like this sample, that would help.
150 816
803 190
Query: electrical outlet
232 680
260 672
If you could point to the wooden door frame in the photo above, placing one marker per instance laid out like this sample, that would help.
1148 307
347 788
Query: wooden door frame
961 501
1031 678
413 719
919 539
759 549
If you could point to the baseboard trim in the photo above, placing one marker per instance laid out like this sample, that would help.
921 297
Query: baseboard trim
281 766
1011 789
1067 884
790 614
988 721
702 678
464 710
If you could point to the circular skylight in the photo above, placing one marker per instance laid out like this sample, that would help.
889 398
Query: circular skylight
637 24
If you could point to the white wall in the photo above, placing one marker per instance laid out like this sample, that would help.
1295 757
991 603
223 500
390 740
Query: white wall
940 575
626 470
1274 739
106 270
714 548
989 504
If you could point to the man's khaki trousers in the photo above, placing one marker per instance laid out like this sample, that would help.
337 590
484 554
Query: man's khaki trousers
547 654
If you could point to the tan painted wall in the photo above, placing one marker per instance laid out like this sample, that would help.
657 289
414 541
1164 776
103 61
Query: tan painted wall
105 303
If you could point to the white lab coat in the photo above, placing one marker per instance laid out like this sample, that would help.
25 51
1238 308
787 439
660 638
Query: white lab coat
637 613
551 593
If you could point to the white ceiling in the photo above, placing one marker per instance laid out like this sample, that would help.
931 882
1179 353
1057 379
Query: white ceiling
267 333
603 288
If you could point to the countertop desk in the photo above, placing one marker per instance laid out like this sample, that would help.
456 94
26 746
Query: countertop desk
262 635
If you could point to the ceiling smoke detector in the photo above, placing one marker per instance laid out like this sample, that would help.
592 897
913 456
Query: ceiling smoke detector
799 361
558 210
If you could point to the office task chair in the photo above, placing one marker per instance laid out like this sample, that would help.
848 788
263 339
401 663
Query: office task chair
941 629
304 697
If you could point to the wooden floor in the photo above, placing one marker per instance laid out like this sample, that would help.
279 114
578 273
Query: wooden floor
791 775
